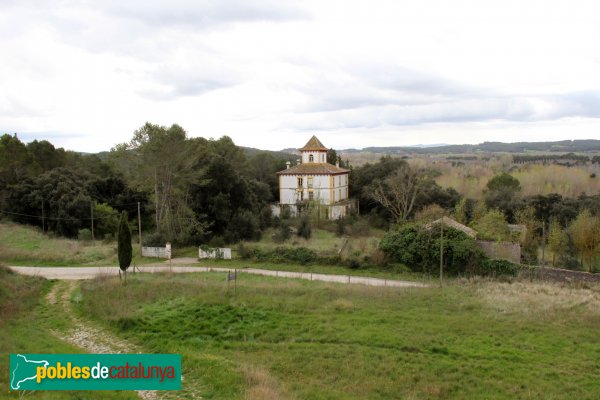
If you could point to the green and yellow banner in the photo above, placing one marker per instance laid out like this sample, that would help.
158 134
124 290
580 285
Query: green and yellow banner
95 372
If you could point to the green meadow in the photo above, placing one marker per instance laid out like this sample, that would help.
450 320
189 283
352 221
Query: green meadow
275 339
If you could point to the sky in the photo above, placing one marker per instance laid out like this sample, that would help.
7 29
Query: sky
271 73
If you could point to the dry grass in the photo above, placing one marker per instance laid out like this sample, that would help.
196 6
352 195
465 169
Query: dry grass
22 244
471 179
540 297
567 181
260 385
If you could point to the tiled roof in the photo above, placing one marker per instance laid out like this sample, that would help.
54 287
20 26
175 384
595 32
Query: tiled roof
453 223
313 168
314 144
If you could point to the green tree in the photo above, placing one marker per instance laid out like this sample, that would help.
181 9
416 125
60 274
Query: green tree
492 226
304 227
585 232
529 239
502 193
124 249
558 241
461 212
479 210
106 220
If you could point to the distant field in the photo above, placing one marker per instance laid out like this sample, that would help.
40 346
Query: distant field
280 339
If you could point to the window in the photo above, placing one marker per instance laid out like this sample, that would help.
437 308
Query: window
311 158
311 196
322 158
299 182
310 182
340 194
340 180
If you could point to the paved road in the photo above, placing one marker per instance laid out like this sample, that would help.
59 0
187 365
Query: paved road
77 273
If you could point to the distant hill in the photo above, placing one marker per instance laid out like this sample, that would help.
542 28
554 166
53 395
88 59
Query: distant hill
283 154
564 146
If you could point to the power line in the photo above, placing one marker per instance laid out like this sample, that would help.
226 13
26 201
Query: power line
52 218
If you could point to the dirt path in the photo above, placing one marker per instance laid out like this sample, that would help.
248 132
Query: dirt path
179 266
88 336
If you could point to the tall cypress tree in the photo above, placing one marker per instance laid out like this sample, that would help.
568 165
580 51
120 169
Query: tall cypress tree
124 244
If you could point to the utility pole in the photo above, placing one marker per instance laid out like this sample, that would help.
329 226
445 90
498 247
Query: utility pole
92 214
441 250
543 242
43 224
139 228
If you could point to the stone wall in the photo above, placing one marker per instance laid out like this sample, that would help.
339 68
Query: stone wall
502 250
157 252
221 253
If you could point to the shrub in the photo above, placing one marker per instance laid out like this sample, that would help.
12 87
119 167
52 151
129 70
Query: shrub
217 241
340 227
299 255
304 228
353 263
498 267
84 234
155 239
283 232
420 250
359 227
266 217
243 225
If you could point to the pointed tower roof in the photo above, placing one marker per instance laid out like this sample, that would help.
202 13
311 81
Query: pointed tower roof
314 144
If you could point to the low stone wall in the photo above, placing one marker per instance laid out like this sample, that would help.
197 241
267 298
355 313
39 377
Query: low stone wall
157 252
559 275
502 250
220 253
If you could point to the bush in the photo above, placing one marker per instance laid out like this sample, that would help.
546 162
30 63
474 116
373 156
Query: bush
353 263
304 228
84 234
498 267
420 250
243 226
216 241
340 227
359 227
283 232
266 218
299 255
155 239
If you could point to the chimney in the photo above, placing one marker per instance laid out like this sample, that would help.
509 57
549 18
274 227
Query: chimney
287 165
337 163
298 162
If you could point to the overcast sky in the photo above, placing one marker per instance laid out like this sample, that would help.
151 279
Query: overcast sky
85 74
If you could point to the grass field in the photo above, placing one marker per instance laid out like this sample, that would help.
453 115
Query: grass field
320 269
26 323
277 339
25 245
323 242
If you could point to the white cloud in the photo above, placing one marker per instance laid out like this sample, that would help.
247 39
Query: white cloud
266 72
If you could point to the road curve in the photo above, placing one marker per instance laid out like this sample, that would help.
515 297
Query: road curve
78 273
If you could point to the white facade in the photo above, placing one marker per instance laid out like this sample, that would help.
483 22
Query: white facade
316 181
317 157
326 189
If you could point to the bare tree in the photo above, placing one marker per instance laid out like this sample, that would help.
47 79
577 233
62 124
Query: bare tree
398 192
585 232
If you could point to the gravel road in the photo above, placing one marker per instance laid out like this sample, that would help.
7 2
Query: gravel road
77 273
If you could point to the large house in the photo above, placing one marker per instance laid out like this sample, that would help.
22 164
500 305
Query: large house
314 181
